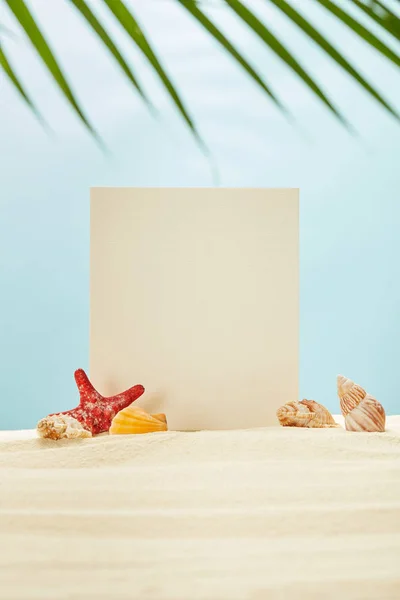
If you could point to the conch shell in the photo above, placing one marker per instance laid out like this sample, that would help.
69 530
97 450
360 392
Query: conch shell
306 413
136 420
59 427
360 410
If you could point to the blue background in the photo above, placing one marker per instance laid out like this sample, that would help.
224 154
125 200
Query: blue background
350 205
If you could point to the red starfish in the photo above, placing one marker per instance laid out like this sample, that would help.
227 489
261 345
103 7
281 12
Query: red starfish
96 412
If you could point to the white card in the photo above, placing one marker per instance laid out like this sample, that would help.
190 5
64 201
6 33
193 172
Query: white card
194 294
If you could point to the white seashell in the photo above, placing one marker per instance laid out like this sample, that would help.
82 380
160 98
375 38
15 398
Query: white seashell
361 411
57 427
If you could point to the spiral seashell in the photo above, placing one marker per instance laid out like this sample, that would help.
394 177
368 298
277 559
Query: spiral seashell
360 410
306 413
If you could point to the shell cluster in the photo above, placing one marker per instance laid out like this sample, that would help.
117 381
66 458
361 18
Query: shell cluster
117 415
361 411
306 413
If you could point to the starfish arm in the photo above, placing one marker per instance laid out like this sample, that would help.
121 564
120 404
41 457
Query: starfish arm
123 400
73 412
87 392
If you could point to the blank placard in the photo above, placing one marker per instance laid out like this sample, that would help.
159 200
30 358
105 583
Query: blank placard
194 294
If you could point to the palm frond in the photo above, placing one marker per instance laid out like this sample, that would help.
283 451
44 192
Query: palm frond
29 25
211 28
323 43
9 71
280 50
375 9
365 34
381 15
135 32
104 37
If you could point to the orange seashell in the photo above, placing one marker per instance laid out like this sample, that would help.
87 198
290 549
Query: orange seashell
361 411
160 417
306 413
136 420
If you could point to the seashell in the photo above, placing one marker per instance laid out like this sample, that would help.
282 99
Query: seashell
361 411
59 426
306 413
136 420
160 417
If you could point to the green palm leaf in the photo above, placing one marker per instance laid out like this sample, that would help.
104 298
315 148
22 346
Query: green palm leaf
279 49
377 10
381 15
360 30
323 43
133 29
195 11
93 21
9 71
26 20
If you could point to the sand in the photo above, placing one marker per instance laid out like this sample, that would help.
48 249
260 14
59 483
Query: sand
254 514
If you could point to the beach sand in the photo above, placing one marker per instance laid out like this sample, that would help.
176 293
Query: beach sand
272 513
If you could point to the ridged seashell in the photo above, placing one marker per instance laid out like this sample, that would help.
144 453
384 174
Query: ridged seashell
160 417
58 427
306 413
360 410
136 420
